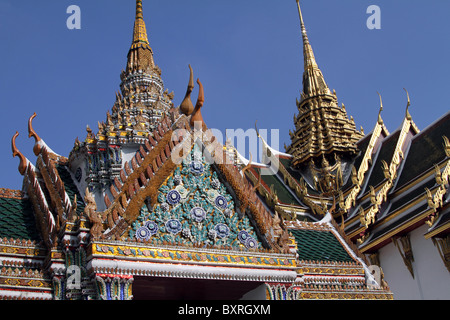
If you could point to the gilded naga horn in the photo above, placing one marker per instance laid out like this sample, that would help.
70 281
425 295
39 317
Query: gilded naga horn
408 104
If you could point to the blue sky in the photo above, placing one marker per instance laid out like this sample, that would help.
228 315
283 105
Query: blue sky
247 54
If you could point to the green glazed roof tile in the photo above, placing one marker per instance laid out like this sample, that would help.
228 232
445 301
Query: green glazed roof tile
17 219
284 195
70 187
320 246
385 153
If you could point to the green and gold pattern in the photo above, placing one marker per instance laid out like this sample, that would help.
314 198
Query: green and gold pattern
193 255
194 208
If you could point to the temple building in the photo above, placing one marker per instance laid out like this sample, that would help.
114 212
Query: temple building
152 206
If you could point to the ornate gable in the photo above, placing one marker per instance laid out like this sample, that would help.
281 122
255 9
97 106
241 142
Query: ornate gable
194 208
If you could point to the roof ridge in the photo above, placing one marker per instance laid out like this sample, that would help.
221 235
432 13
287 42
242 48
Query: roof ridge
143 170
11 194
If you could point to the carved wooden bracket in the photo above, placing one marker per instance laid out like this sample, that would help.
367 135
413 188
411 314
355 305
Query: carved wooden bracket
368 218
405 251
436 200
443 246
374 258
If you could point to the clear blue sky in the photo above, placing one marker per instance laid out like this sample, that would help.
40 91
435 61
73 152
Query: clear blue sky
247 54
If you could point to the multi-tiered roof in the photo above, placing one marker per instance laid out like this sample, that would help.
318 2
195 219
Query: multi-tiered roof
378 187
324 140
152 202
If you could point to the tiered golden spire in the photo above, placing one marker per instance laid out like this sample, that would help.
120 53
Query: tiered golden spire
310 60
313 80
140 38
140 56
325 137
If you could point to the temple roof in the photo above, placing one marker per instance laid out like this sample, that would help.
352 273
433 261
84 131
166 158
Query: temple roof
319 245
428 141
17 219
421 177
174 205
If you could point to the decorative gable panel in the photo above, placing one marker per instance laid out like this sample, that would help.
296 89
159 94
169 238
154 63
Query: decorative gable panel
194 208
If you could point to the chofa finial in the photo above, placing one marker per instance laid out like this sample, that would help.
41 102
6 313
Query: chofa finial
196 116
381 108
16 153
31 133
186 105
256 128
381 104
408 115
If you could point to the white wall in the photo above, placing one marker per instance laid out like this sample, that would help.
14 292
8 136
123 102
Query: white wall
431 277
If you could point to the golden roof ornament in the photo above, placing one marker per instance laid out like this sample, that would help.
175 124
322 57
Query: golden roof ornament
310 60
140 38
381 108
323 130
140 56
313 79
142 100
408 104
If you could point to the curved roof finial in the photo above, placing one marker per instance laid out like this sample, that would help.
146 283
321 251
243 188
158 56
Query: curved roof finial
17 153
186 105
249 164
408 115
266 148
201 95
256 128
381 108
446 146
31 133
197 114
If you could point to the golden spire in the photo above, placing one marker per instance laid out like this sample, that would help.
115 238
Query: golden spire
313 80
324 141
140 38
310 60
140 56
